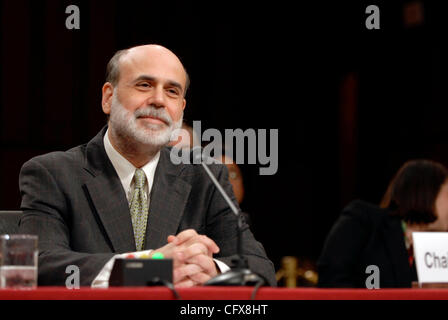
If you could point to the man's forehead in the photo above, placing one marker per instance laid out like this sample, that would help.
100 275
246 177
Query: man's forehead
156 63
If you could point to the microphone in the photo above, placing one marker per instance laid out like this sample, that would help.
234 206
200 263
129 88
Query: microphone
241 274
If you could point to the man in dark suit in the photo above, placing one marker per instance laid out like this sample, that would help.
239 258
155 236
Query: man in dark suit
120 192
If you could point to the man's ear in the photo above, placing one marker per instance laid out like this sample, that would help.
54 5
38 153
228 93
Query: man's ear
184 103
108 92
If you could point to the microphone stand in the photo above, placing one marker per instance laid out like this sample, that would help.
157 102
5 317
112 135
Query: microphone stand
240 275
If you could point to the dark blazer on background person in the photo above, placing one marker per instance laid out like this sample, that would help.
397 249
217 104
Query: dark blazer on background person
74 201
365 235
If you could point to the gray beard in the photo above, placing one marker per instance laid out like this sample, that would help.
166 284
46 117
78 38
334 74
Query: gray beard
124 123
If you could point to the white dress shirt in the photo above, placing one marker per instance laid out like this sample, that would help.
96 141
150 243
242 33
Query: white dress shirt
125 171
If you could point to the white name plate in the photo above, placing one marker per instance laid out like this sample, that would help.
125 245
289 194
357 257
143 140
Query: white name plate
431 256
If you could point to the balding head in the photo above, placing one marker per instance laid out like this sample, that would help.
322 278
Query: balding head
144 96
150 51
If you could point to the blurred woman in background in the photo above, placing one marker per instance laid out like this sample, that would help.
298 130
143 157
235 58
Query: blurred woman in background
365 234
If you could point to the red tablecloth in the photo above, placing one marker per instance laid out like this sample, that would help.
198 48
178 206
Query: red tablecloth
222 293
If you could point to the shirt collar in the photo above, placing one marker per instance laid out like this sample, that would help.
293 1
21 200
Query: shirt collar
125 169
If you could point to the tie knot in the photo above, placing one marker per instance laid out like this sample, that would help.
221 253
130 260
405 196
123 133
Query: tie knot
140 178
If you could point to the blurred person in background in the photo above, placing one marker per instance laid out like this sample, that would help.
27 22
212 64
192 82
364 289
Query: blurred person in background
186 139
416 200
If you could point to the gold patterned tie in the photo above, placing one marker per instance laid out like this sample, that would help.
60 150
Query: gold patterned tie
139 208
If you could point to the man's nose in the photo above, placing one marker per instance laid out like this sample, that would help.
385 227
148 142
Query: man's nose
158 97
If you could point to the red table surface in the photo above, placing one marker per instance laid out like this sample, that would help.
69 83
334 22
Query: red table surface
221 293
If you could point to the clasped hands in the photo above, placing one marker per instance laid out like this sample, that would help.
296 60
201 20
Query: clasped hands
192 256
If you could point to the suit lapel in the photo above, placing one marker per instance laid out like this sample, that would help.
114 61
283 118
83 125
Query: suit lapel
168 199
393 235
108 197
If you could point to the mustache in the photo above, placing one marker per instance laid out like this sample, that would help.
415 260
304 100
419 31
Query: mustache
151 111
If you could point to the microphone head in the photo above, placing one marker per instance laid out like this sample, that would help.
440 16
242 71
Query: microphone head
198 156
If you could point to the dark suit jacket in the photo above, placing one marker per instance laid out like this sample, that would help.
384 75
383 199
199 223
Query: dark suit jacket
364 235
75 203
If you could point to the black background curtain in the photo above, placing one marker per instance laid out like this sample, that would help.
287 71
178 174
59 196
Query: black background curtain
351 104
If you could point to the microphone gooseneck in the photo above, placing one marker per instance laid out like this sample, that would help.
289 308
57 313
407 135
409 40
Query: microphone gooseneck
240 275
